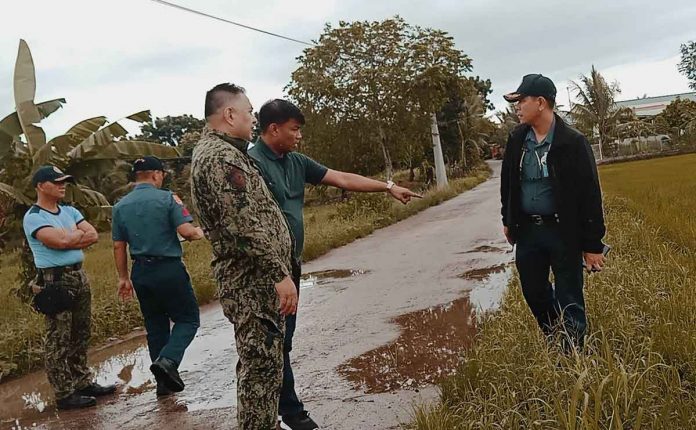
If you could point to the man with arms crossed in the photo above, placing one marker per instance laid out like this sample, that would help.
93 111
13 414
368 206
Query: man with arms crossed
57 234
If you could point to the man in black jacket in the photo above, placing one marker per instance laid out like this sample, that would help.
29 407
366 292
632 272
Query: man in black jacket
551 208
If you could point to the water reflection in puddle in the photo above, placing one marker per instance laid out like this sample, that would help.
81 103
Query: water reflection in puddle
483 248
323 277
127 364
483 273
431 340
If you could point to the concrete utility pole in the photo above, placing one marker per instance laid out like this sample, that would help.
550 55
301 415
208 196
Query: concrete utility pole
440 172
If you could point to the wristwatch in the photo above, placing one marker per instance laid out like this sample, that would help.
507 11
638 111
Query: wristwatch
390 185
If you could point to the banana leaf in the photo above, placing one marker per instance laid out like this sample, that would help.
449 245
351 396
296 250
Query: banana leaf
98 140
84 129
24 92
132 149
141 117
85 196
11 128
15 194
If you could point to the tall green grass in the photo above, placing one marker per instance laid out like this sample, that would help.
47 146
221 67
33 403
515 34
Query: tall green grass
661 190
328 226
639 366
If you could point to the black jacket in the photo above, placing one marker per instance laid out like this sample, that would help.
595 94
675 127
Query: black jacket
575 186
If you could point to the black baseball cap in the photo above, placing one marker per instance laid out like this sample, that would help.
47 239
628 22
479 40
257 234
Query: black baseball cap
535 85
50 174
149 162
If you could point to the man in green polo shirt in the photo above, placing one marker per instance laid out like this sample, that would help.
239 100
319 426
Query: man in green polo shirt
286 172
146 222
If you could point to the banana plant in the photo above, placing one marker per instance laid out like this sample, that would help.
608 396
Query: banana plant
90 148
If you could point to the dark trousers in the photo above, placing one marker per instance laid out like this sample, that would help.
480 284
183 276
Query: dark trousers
164 291
540 249
290 404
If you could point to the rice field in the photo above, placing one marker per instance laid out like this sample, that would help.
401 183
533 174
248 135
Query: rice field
639 366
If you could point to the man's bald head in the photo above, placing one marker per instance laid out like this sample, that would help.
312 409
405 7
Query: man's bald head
219 97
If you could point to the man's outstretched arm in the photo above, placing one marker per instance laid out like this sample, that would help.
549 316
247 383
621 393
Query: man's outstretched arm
353 182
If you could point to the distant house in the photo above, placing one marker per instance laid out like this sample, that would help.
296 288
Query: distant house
650 106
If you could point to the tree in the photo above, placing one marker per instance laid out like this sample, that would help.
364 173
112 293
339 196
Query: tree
596 113
87 149
375 81
464 129
170 129
678 119
687 65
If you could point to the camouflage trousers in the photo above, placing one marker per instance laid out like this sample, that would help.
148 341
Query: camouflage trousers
67 336
259 330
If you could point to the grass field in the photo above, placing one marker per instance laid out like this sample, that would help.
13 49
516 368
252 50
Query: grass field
327 227
639 368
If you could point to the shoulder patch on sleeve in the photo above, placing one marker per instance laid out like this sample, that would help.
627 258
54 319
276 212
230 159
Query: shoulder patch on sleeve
236 177
34 210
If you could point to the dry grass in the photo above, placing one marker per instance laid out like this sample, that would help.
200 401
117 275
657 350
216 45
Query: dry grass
639 368
328 226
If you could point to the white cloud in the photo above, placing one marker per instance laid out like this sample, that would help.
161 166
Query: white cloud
115 58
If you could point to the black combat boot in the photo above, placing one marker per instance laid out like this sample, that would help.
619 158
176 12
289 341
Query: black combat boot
165 370
96 390
76 401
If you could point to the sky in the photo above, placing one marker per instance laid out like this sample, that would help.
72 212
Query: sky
114 58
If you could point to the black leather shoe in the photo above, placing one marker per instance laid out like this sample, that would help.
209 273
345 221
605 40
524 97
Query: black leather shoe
96 390
164 370
76 401
301 421
162 390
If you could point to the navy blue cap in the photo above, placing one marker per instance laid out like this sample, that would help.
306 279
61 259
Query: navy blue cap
536 85
50 174
149 162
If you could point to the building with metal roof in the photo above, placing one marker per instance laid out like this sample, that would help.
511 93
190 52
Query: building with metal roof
651 106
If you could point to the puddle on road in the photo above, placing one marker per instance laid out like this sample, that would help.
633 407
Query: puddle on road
483 273
323 277
30 399
431 340
483 248
427 350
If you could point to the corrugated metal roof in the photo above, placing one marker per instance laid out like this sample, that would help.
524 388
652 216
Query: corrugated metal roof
651 106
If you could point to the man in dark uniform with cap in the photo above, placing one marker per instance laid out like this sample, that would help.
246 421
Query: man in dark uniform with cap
146 222
57 234
551 208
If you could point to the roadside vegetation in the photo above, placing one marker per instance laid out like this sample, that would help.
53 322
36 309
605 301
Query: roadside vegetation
639 366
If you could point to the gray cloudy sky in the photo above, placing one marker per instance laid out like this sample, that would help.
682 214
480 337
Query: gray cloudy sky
118 57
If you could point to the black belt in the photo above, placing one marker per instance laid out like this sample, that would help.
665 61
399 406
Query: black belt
54 274
541 219
152 258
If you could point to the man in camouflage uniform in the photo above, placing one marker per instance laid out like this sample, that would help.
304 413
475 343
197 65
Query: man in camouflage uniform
252 251
57 234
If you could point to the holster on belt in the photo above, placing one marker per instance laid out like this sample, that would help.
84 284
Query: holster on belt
53 297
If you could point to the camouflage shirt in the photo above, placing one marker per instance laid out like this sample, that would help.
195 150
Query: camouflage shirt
251 242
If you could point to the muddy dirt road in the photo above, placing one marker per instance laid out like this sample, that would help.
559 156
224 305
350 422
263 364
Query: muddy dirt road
380 320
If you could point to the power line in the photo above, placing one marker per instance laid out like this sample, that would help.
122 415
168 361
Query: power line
197 12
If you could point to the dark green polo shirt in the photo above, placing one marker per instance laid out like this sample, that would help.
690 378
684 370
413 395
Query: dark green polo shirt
147 218
286 176
537 192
